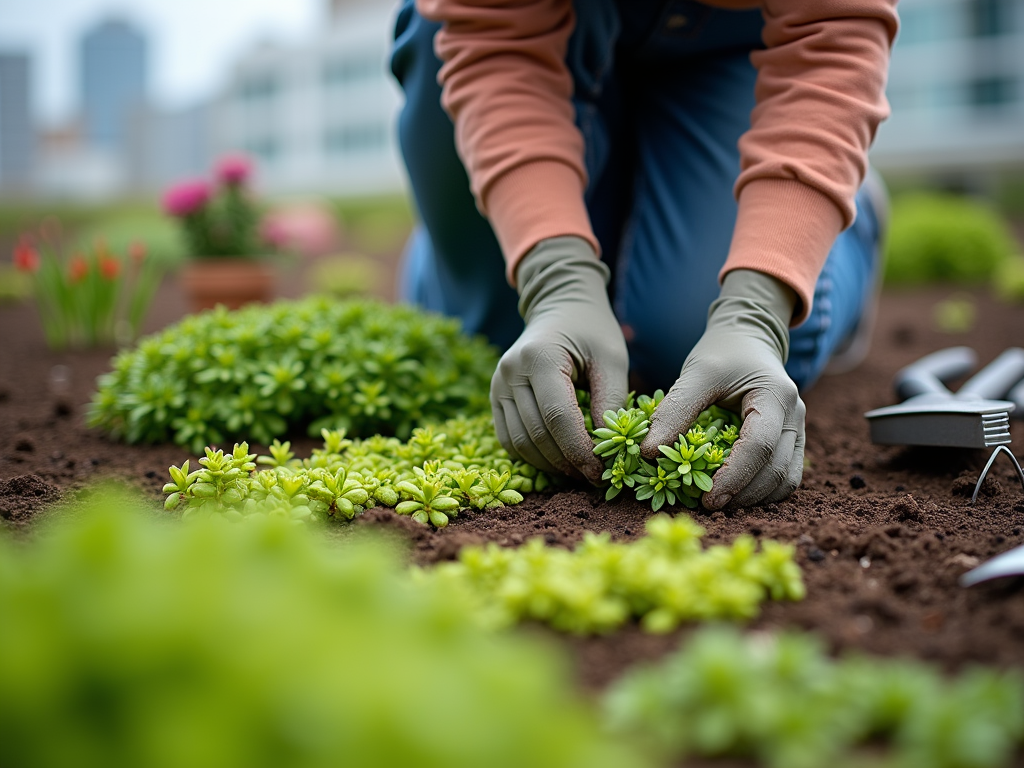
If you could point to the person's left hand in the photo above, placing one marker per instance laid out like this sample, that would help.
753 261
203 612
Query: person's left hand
739 363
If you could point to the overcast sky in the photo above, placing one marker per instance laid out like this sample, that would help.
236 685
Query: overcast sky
192 42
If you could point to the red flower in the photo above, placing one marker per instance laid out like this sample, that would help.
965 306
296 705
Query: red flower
26 258
110 267
234 170
137 251
78 268
186 198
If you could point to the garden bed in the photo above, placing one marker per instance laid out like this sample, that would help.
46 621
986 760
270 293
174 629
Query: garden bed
882 533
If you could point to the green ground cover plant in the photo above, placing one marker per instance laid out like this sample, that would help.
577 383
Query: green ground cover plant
439 471
684 470
132 641
783 702
944 238
662 579
261 371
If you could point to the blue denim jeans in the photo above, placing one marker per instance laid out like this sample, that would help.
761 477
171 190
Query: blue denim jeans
663 93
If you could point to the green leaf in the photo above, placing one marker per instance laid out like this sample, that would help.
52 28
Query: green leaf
701 480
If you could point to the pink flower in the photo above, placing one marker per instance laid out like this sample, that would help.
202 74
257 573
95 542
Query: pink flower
234 170
186 198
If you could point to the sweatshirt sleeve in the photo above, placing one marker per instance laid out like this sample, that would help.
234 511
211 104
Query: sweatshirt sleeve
820 94
820 98
509 92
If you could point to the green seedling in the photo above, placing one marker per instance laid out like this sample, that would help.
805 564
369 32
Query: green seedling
685 469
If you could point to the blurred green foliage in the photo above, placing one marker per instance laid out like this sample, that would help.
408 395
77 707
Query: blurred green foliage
1009 280
944 238
119 229
128 641
783 702
118 224
375 225
956 314
347 275
15 285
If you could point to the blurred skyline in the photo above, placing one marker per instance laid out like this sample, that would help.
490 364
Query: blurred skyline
193 42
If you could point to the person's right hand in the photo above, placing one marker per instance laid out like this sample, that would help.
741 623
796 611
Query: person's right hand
571 336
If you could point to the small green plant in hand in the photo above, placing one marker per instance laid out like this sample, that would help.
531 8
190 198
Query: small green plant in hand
685 469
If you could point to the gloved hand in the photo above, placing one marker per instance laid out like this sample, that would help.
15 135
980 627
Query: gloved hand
571 335
738 363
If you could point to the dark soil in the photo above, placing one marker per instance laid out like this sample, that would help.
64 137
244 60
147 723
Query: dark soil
882 533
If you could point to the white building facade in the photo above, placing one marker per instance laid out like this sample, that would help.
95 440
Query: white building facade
956 87
319 117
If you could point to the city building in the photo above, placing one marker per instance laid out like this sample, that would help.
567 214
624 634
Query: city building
319 116
114 74
956 87
17 130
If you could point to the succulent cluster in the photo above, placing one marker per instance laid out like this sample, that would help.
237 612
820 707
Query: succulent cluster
783 702
154 644
255 373
682 473
662 579
437 472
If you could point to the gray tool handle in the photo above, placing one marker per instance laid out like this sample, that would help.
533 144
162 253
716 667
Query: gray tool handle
997 378
927 374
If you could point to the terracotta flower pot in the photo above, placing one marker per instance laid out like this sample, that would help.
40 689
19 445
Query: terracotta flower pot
231 282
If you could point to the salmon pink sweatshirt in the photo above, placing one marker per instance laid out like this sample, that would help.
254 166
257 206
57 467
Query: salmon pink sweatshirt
820 94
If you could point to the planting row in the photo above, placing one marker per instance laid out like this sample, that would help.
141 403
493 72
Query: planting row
438 471
662 579
152 643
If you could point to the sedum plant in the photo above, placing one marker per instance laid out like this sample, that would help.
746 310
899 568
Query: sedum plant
431 477
662 579
162 645
781 701
258 372
684 470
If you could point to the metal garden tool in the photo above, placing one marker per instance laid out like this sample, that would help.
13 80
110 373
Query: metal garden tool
1007 564
932 415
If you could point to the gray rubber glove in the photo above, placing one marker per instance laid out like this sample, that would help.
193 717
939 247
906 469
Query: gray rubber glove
571 336
738 363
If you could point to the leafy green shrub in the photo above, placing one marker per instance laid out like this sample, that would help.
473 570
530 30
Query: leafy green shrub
257 372
131 642
662 579
943 238
684 470
433 476
783 702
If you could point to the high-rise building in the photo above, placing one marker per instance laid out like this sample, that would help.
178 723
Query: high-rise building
114 71
956 87
17 139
